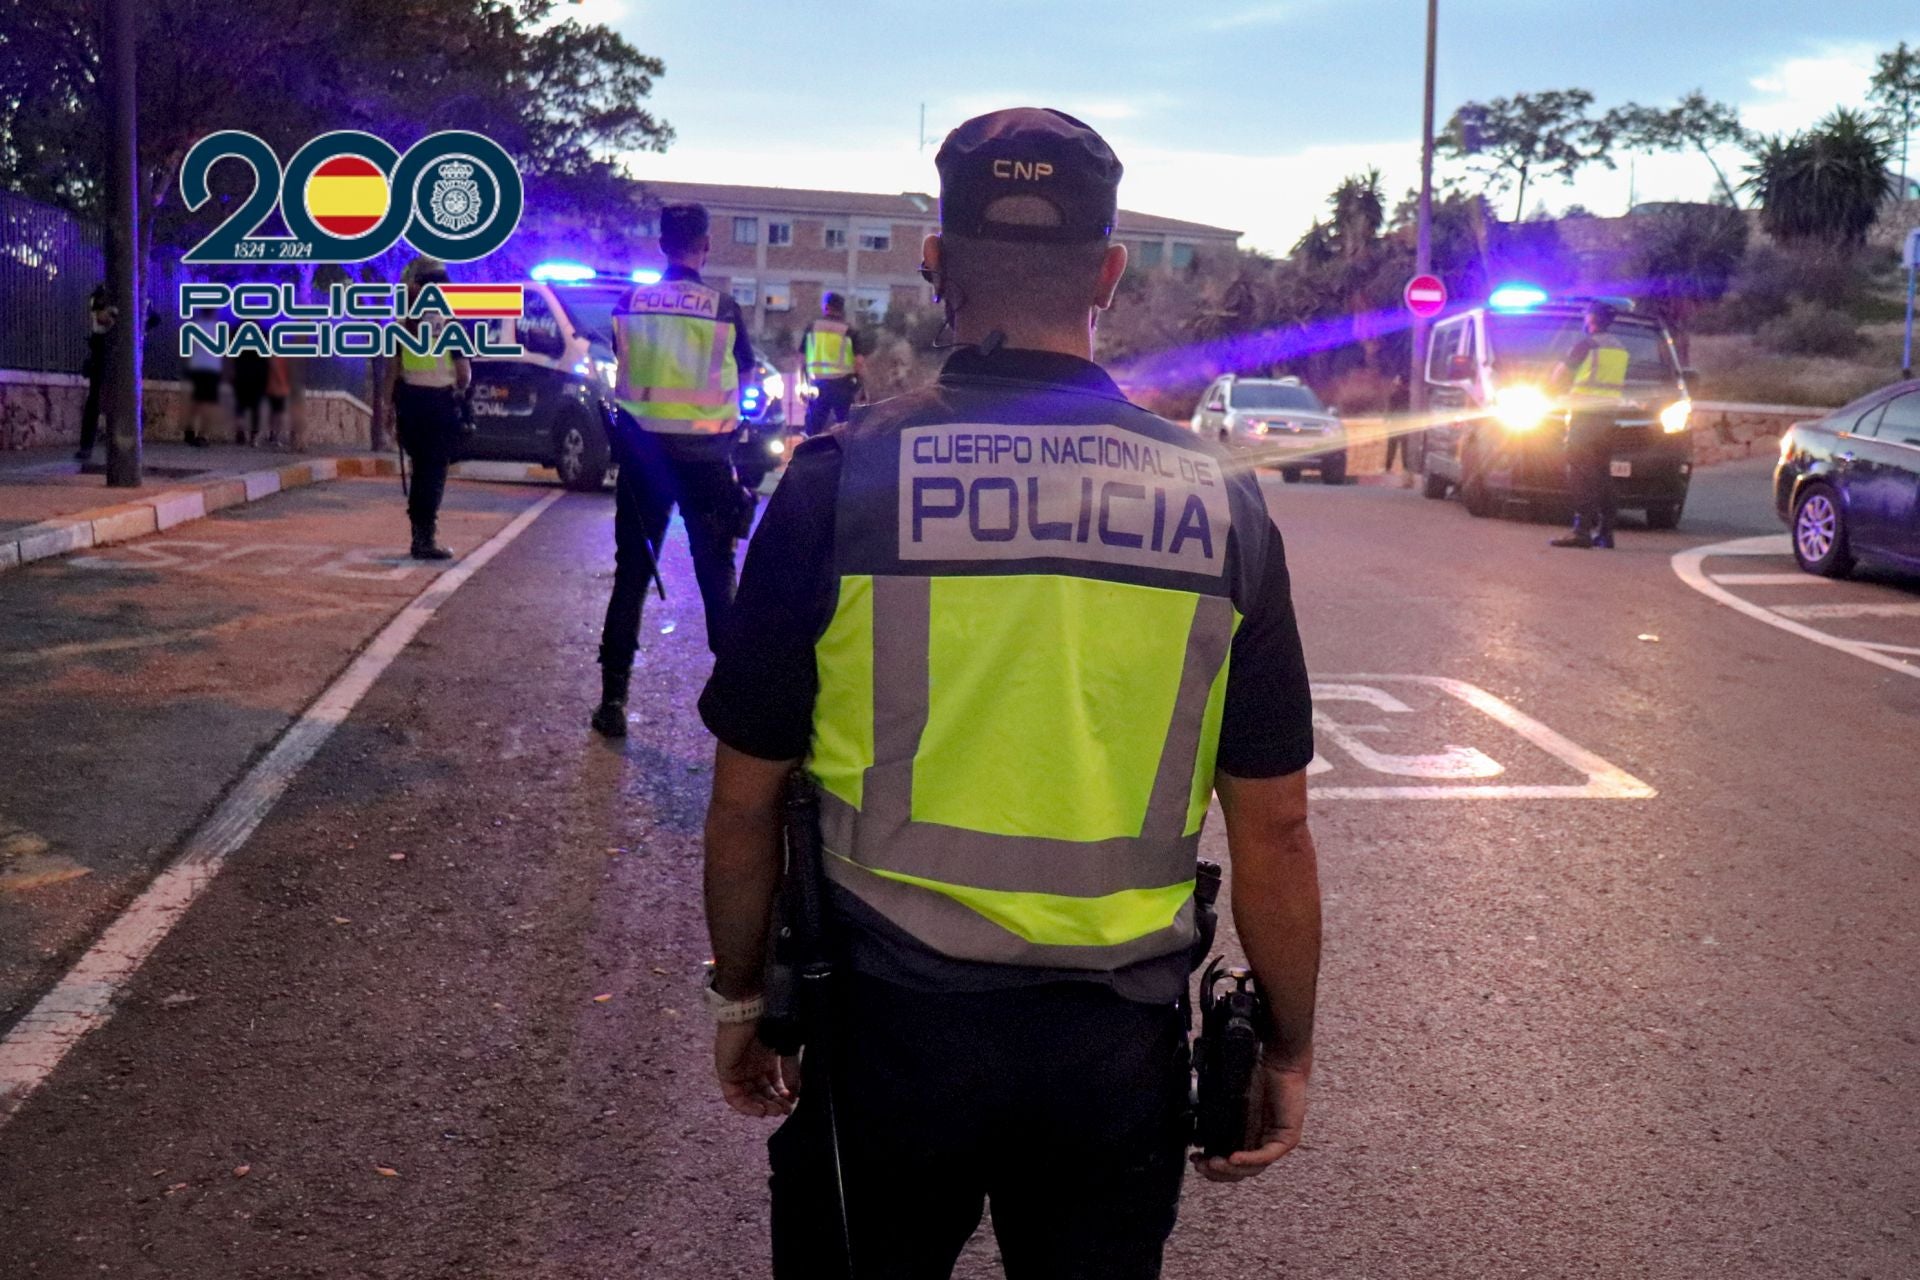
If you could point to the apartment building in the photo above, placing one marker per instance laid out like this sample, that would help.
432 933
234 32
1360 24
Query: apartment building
778 249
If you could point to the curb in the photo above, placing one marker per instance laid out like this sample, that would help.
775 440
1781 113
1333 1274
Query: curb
122 522
480 469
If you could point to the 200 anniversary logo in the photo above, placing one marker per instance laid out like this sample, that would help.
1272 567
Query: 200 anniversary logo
349 196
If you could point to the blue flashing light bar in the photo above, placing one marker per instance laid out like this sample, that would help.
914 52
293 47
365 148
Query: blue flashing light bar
645 276
1516 297
563 272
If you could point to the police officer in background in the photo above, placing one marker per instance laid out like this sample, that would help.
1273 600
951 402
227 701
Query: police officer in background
684 350
831 356
1011 843
1593 379
428 394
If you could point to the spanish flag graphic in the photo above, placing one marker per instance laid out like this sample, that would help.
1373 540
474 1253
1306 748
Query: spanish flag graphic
482 301
347 196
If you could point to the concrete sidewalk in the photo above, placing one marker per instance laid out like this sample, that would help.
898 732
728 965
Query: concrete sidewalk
49 505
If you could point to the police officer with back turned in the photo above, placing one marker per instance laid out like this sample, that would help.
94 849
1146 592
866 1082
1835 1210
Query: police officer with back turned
683 350
830 350
1019 633
1593 378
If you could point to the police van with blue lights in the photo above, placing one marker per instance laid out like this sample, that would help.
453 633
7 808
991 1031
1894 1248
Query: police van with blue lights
554 403
1497 435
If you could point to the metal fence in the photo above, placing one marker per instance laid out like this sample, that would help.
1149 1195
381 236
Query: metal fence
50 262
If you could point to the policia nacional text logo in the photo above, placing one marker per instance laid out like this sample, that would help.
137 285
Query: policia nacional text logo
1094 493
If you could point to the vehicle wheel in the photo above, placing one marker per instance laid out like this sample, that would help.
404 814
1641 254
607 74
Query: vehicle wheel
1223 438
1434 486
580 454
1290 474
1663 515
1334 470
1820 533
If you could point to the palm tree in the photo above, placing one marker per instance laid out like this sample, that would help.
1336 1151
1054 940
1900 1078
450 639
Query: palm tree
1826 184
1359 211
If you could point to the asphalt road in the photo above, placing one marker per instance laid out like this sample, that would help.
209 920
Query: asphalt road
1621 919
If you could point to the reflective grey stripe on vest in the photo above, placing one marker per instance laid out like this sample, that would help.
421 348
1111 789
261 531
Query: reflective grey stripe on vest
955 929
882 835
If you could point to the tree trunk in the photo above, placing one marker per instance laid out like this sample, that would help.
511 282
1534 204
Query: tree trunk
1724 184
1520 205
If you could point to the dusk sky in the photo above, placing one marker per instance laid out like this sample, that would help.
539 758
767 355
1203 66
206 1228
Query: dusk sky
1239 113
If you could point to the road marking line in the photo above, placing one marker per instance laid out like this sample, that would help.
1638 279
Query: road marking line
1889 648
121 644
83 1000
1687 565
1605 781
1770 579
1860 609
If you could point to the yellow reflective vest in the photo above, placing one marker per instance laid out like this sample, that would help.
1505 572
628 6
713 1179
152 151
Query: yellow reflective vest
1022 683
1602 375
829 350
677 374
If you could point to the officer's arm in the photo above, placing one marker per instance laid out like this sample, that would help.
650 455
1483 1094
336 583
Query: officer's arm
1561 379
1276 901
743 866
462 373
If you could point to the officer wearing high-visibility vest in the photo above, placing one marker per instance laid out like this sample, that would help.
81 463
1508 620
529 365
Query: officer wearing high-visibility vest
1021 633
1593 379
683 352
830 354
427 393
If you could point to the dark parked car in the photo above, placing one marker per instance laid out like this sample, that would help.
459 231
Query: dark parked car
554 404
1848 484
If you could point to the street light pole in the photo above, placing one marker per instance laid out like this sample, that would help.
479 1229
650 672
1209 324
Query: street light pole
1423 259
123 248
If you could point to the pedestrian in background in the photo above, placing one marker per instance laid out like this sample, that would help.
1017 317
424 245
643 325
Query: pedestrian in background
203 373
1397 401
1012 842
829 352
101 315
427 393
279 387
683 355
249 392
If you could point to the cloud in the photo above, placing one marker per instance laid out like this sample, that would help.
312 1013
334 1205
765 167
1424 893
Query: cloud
1259 15
1798 91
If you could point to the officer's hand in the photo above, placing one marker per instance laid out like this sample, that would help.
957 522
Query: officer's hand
754 1079
1276 1114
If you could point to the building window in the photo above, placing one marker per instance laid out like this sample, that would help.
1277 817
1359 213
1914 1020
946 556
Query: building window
836 237
778 297
1182 256
876 239
1150 253
746 231
746 292
779 233
871 304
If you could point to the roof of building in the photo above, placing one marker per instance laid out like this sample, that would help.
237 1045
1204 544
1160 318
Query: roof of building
907 204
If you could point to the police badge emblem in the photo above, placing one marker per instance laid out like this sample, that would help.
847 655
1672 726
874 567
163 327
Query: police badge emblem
456 199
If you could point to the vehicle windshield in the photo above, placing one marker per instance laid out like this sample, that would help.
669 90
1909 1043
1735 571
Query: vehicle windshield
1272 395
590 306
1531 345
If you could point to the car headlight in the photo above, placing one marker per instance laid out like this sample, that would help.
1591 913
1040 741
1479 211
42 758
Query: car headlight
1521 409
775 386
1673 418
605 370
776 446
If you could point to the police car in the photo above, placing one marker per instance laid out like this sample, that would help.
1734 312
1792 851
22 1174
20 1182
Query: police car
1497 433
553 404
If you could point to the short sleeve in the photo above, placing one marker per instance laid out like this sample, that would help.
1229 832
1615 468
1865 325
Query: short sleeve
760 697
1266 728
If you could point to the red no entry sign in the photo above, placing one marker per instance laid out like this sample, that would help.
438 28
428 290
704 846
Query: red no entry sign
1426 296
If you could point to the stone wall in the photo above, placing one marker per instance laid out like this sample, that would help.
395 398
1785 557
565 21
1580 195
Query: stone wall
39 410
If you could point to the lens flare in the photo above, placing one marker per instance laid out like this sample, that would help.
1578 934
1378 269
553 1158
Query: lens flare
1521 409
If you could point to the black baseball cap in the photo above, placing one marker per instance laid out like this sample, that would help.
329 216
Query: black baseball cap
1028 151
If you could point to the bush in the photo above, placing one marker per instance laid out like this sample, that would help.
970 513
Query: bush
1810 329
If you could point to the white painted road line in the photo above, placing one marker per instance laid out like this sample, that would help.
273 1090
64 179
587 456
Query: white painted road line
1687 564
83 1000
1771 580
1605 781
1859 609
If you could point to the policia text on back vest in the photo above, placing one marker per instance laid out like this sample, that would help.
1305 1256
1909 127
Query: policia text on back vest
677 371
1020 689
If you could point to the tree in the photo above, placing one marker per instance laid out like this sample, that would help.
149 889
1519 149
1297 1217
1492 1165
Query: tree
1826 184
1696 122
1510 141
1684 258
1896 87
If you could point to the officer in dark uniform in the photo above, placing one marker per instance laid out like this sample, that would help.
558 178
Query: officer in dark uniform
1011 847
684 352
428 393
1593 379
830 354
